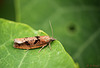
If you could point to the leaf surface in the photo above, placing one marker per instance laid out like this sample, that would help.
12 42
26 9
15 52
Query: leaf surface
11 57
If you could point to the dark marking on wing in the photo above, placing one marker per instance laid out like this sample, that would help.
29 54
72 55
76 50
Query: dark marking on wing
37 37
36 41
39 40
26 42
19 44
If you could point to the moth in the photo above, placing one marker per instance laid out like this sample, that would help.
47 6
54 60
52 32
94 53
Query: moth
33 42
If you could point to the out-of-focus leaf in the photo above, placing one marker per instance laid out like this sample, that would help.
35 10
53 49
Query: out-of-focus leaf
7 9
19 58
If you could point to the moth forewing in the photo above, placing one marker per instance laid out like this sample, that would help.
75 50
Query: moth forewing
33 42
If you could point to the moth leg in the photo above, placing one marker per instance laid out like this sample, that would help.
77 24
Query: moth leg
42 47
49 46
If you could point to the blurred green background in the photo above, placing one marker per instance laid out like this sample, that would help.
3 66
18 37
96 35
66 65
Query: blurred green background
76 24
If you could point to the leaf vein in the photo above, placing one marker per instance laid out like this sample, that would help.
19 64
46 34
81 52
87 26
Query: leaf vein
22 60
86 44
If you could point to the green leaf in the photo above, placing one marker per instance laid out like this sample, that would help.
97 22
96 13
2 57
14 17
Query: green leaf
76 24
11 57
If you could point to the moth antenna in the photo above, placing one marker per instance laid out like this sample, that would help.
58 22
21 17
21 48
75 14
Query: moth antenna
51 28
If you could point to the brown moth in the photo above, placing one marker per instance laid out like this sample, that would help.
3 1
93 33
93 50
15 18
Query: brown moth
33 42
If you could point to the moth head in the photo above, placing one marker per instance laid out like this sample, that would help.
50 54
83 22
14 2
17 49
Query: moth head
52 39
48 39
